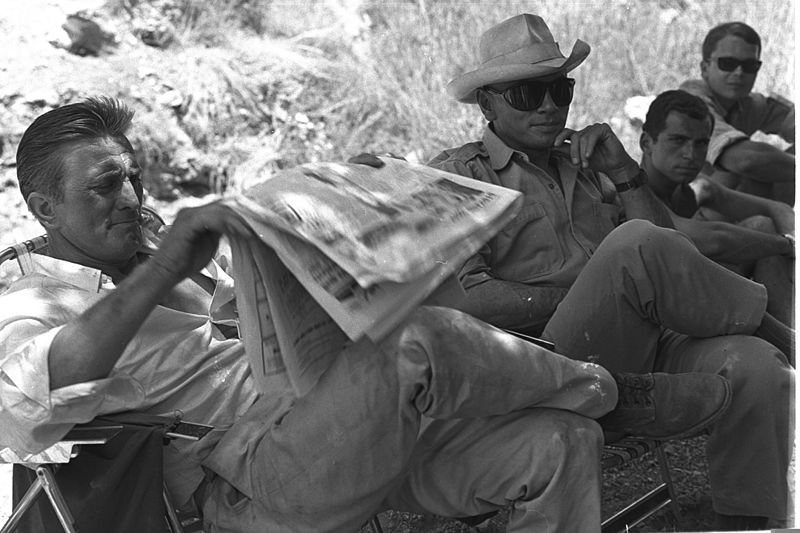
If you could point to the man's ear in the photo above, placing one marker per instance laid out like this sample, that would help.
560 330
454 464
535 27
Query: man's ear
485 103
646 143
42 207
704 69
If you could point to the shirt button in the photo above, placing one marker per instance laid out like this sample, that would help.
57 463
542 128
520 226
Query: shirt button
552 186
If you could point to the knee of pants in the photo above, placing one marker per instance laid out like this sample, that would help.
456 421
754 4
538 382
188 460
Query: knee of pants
642 238
759 223
571 446
758 373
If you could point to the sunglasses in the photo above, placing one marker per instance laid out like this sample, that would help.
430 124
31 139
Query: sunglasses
529 96
729 64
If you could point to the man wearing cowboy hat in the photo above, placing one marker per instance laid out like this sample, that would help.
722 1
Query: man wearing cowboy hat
632 296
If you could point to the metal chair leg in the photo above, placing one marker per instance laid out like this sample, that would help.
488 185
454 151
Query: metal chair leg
44 482
45 474
23 506
375 524
173 521
666 477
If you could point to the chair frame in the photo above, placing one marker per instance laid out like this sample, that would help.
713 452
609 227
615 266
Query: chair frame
618 454
46 463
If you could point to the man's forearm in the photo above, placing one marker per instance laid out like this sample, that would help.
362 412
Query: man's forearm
87 348
744 246
732 243
758 161
639 202
512 305
642 203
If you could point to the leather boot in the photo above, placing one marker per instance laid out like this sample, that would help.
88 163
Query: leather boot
667 406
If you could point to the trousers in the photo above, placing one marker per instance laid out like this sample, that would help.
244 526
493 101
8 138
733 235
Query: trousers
648 301
448 416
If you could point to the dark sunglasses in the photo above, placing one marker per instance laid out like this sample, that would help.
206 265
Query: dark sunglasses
529 96
729 64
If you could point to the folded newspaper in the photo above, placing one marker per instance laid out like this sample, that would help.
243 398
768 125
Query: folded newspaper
346 251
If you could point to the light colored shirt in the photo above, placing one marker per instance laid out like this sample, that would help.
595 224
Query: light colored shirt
559 225
755 112
176 362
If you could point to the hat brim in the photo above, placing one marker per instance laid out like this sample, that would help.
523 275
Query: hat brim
463 87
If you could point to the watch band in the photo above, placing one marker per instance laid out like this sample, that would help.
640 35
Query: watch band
639 180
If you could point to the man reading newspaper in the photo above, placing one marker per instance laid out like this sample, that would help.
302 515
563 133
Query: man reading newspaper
443 414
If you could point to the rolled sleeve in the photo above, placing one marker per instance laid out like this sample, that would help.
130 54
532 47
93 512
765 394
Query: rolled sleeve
724 136
35 417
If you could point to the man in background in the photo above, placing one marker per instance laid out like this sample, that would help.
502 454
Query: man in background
752 235
730 64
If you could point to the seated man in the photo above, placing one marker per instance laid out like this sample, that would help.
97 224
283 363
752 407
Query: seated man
630 296
750 234
440 417
731 60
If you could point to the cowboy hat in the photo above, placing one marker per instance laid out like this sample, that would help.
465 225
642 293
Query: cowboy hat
518 48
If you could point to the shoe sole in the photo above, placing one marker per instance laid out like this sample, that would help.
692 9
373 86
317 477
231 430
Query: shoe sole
700 426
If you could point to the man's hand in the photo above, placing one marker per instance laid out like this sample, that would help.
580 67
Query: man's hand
372 160
598 148
192 240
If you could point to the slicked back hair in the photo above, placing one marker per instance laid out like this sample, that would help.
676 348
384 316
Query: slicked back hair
739 29
40 152
678 101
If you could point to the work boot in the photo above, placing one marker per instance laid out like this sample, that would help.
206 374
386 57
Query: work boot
666 406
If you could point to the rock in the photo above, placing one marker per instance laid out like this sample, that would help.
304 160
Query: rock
636 109
86 36
172 98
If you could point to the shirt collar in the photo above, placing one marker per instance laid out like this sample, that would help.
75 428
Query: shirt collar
80 276
499 152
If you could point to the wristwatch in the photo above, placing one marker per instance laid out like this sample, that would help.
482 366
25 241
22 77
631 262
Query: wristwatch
639 180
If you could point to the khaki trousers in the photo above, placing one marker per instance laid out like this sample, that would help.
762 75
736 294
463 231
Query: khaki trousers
449 416
648 301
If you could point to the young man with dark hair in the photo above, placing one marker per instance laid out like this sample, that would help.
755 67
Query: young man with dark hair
730 64
752 235
576 267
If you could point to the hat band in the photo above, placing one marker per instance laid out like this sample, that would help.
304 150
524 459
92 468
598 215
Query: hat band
531 54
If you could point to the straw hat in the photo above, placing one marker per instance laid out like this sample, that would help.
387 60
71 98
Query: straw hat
518 48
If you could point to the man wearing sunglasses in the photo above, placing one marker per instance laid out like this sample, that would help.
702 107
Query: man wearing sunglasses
729 68
577 268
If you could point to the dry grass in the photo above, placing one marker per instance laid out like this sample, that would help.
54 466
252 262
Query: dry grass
370 76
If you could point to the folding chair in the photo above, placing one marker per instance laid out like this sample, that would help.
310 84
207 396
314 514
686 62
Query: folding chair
100 432
97 433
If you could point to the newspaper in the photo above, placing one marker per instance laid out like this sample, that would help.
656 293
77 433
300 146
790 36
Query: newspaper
346 251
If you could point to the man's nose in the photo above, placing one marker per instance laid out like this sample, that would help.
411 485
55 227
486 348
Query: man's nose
547 105
691 152
129 196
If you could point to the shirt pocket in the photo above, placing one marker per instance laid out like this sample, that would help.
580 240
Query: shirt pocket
528 247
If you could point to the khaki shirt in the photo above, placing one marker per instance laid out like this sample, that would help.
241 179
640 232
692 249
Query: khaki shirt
559 225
